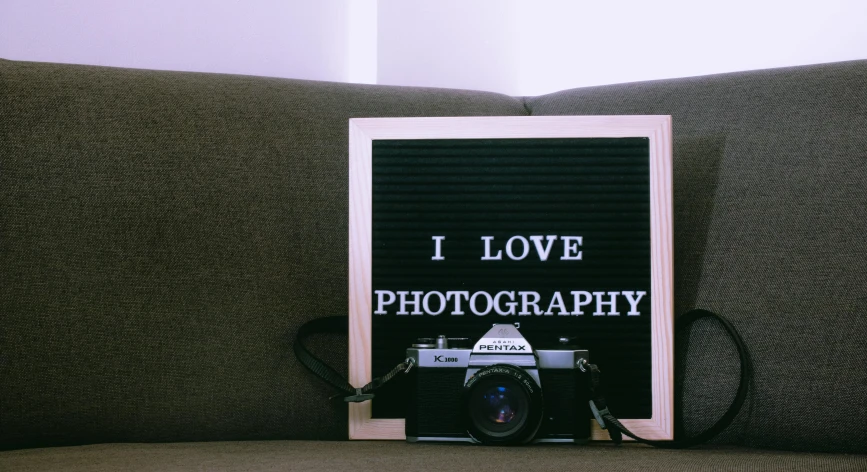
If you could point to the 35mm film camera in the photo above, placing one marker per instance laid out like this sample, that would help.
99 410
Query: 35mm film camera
501 391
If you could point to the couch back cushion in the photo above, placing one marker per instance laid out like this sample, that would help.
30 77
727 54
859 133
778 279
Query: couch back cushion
162 237
770 202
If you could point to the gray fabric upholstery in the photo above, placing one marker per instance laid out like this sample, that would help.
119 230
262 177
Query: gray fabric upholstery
770 175
399 456
163 235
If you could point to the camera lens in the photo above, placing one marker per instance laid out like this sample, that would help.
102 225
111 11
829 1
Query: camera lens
500 405
503 405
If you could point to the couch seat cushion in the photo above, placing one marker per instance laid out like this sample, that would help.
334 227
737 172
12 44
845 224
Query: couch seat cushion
385 456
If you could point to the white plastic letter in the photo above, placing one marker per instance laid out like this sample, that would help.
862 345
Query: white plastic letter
581 298
438 248
457 296
487 299
524 242
570 248
416 303
557 302
526 303
612 304
388 297
510 305
425 302
487 256
633 302
544 251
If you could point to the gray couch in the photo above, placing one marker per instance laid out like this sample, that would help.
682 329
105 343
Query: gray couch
163 235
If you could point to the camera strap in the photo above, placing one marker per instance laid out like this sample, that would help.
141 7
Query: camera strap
615 428
339 325
598 404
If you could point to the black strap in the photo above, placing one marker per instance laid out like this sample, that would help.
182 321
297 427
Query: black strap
339 324
615 428
598 405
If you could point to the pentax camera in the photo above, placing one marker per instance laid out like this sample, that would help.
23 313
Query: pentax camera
499 392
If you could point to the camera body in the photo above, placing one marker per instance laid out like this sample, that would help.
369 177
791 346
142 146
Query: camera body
492 392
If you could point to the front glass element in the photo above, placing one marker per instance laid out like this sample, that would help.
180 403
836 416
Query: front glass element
500 404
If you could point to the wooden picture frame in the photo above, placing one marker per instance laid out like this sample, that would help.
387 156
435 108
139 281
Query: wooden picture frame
362 133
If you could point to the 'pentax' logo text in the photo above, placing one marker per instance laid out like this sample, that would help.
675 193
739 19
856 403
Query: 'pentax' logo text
502 347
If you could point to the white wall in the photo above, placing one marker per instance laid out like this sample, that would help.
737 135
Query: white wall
519 47
448 43
552 45
301 39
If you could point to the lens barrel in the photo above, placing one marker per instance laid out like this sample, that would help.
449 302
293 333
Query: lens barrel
502 405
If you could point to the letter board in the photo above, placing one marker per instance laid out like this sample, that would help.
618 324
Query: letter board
561 224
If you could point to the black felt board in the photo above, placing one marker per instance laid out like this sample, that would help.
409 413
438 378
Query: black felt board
596 188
